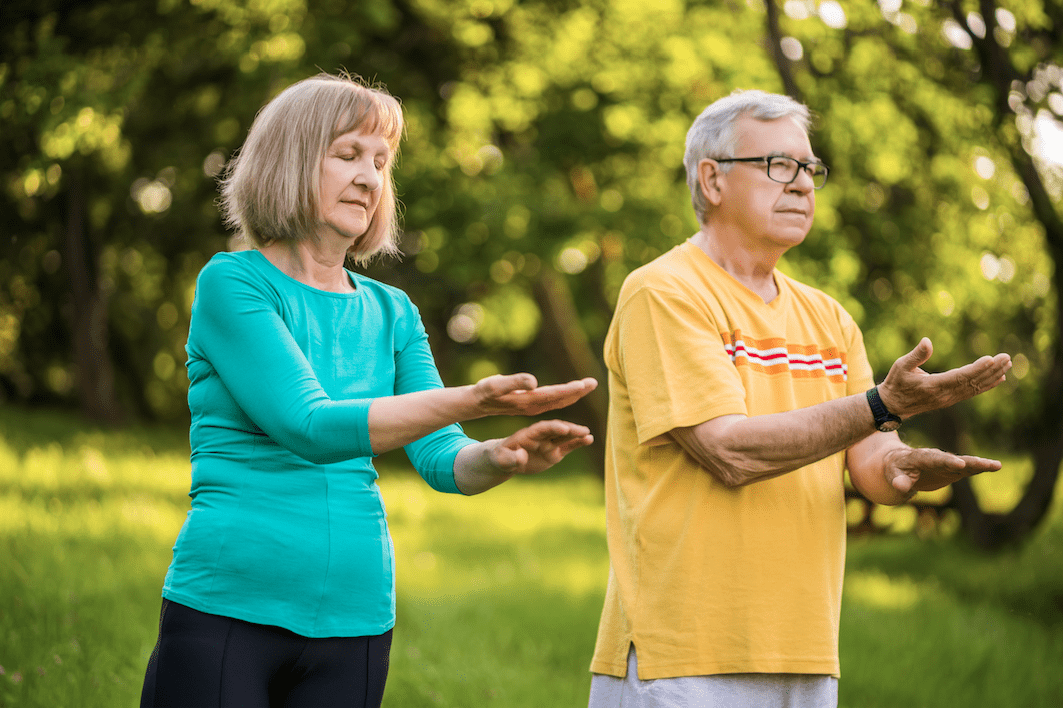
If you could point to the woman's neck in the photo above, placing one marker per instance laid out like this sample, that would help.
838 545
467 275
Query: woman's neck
311 264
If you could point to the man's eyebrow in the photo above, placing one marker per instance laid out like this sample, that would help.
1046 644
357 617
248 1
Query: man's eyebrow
813 159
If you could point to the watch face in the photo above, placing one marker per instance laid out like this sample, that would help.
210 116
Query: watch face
888 426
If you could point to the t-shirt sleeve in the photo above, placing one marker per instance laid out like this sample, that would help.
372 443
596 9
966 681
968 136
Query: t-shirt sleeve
672 359
860 376
415 370
237 328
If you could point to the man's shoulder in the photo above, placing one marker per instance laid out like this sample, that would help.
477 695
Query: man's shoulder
668 271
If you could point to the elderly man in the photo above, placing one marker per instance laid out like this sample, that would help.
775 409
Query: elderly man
737 397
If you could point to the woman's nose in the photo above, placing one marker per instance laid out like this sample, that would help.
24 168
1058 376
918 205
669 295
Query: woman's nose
367 176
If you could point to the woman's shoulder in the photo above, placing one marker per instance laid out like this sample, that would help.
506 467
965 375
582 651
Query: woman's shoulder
230 270
231 262
382 291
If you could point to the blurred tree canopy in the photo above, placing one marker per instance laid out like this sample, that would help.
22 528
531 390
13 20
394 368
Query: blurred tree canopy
543 162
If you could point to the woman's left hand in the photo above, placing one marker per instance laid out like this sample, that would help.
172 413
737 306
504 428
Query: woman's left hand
480 466
540 446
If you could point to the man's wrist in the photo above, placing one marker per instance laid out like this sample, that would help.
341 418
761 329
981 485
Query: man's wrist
885 420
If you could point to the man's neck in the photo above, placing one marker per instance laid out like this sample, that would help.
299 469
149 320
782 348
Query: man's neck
754 269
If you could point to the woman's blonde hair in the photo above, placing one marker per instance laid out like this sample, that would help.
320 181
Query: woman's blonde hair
270 189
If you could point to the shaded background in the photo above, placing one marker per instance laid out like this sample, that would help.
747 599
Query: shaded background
543 162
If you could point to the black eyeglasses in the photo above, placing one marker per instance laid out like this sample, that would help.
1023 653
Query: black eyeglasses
785 169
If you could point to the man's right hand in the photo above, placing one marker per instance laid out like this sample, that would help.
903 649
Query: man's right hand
923 469
908 390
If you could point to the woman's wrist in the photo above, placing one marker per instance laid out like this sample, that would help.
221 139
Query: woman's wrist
475 468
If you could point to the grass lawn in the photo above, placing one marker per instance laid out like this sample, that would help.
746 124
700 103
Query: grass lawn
499 595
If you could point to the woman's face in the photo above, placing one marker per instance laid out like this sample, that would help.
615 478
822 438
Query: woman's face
352 176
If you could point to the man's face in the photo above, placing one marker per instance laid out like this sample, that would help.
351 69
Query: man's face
768 214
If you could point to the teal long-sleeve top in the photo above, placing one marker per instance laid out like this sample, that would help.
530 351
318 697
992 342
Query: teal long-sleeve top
287 526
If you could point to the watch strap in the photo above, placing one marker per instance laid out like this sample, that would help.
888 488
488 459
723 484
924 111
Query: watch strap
884 420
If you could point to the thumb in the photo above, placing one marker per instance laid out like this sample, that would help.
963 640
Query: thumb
509 457
902 483
502 384
918 356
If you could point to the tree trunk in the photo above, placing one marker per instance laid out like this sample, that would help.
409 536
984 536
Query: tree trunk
782 64
95 373
1043 440
573 358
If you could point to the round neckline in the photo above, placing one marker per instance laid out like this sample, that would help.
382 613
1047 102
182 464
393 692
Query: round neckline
352 277
775 303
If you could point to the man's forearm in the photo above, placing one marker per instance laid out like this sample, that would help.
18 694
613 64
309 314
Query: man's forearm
740 450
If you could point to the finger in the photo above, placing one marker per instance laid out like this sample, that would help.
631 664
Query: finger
918 356
546 437
980 464
996 372
553 429
554 396
979 376
989 370
562 390
546 394
576 443
929 457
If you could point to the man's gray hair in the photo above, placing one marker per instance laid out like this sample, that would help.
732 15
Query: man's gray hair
714 135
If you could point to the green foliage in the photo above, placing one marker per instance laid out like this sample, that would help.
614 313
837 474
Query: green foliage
543 135
499 594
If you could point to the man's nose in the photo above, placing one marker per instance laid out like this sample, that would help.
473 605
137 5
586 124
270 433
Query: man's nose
803 182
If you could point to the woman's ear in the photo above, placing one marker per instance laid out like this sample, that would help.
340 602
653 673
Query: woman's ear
708 180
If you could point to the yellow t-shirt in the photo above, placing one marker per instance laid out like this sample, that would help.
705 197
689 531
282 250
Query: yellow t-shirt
705 579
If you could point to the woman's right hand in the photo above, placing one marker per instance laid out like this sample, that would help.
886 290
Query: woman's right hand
521 394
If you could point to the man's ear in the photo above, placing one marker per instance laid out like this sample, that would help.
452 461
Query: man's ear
708 180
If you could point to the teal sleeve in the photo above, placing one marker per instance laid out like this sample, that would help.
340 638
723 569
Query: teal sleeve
433 455
236 327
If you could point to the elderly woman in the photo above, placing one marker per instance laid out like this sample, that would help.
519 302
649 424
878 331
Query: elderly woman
281 590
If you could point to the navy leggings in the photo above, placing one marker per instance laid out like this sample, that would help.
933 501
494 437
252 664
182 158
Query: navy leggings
203 661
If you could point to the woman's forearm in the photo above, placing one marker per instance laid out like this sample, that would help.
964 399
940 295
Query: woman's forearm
395 421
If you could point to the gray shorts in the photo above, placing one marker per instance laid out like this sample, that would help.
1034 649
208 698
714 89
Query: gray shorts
717 691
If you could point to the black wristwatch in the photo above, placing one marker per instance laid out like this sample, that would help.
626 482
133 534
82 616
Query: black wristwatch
884 420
